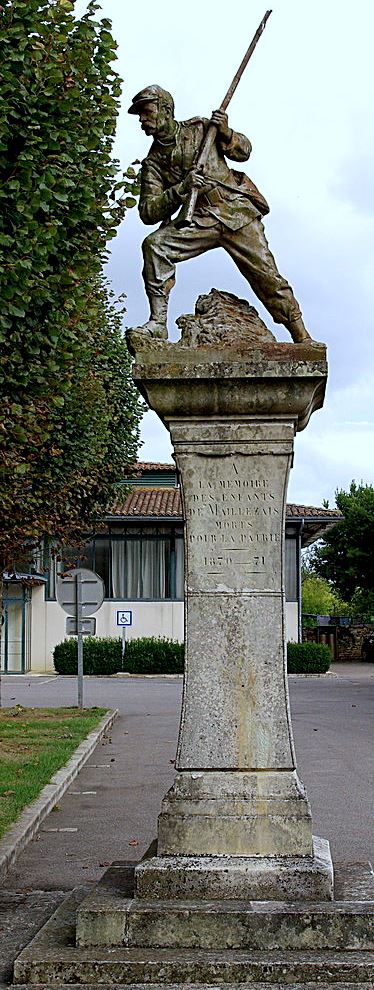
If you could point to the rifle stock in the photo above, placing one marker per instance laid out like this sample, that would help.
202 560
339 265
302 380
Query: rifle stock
185 217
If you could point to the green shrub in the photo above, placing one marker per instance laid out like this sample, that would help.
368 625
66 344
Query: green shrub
100 656
104 656
154 656
308 658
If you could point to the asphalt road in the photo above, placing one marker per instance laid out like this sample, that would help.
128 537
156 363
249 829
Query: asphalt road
111 808
114 803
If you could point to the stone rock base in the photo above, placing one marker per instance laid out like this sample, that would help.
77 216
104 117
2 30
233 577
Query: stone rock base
214 903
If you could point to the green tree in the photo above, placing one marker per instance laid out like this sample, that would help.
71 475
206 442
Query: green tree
70 410
345 556
319 598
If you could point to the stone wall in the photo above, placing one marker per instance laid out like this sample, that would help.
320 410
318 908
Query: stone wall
348 640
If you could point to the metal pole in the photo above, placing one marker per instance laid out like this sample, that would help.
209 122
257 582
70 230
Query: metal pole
80 639
123 646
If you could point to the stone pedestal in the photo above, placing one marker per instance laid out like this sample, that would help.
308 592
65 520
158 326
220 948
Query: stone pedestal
232 406
239 892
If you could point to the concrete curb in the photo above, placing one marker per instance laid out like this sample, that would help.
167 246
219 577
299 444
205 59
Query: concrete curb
175 677
328 673
125 673
20 834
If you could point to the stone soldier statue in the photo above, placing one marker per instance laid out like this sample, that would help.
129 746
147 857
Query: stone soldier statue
228 211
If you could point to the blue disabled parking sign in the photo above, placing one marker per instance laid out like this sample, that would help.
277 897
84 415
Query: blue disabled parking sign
124 618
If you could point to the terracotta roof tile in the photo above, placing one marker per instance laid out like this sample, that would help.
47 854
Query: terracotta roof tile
167 503
308 511
151 466
162 502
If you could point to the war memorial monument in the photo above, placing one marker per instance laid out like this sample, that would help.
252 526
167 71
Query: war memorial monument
236 890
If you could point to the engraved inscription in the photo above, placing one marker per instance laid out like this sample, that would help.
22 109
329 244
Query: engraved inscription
243 537
233 498
248 565
232 520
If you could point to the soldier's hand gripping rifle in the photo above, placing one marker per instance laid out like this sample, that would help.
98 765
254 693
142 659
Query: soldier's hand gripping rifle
185 217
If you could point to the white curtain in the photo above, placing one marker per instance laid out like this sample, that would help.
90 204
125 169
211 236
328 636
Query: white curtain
139 569
153 569
179 567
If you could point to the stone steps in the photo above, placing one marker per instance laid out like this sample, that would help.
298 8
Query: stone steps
108 919
110 915
168 967
53 960
256 926
198 986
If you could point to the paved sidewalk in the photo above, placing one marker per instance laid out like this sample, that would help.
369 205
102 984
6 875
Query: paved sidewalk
354 671
112 805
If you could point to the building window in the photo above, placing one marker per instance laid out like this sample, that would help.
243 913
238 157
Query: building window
179 566
147 564
135 563
140 568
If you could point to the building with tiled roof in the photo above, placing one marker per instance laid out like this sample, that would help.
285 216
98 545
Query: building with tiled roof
166 503
149 503
139 554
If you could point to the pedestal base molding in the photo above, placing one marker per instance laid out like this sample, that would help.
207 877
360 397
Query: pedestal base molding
254 878
214 813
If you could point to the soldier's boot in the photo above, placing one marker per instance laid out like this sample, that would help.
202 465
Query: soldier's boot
298 331
156 326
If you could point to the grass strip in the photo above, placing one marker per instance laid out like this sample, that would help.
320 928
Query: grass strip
34 743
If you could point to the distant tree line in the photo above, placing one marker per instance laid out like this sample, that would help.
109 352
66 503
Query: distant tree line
338 573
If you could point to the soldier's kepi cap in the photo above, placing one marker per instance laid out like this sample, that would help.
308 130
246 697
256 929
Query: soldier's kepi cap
151 94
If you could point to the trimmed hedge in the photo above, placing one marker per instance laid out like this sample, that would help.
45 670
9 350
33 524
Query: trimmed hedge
308 658
154 656
150 655
104 656
100 656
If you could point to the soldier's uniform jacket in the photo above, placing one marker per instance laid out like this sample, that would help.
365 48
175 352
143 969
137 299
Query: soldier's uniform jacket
233 200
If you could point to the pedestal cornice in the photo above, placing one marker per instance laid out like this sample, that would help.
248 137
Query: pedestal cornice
271 380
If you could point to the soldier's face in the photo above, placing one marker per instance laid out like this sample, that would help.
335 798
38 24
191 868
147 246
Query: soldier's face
148 116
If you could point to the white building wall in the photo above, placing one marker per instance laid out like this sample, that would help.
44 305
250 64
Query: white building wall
292 622
48 625
149 619
47 629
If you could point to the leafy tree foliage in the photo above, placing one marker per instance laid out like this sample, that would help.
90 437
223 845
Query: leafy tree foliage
345 555
362 604
70 411
319 598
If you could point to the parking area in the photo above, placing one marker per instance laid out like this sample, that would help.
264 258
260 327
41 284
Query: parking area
114 805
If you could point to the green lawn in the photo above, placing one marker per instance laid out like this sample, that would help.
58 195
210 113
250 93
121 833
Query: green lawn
34 743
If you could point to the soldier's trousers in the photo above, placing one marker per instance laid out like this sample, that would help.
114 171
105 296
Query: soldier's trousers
248 247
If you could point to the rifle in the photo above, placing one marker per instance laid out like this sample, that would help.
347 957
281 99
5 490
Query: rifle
186 215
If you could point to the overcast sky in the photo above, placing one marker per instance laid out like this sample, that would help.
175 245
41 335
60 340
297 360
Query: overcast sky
306 102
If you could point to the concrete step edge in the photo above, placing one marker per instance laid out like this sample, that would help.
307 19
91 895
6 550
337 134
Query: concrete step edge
194 986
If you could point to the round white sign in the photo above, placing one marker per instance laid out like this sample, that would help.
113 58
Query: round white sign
89 585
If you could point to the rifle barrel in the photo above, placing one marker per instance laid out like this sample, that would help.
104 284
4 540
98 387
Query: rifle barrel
188 211
244 63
